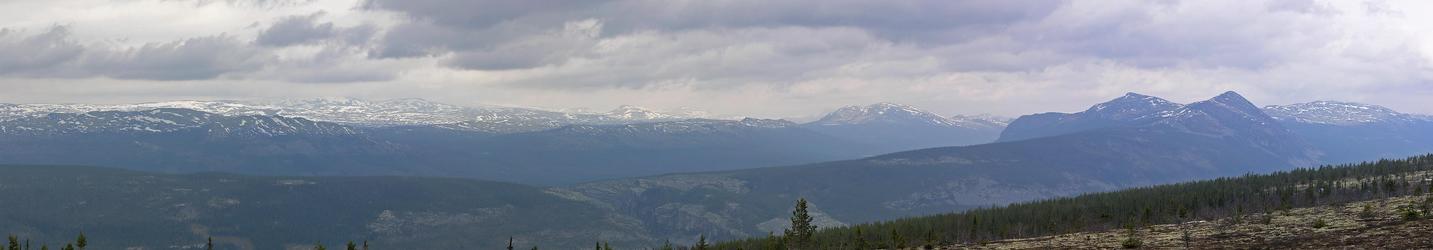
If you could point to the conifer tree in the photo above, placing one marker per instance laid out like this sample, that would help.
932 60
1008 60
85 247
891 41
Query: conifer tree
210 244
14 243
606 246
319 246
799 235
81 242
859 239
896 240
365 245
352 246
667 245
701 243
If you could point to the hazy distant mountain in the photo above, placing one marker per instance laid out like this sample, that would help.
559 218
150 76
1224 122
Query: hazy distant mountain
1349 132
491 119
183 140
1223 136
895 127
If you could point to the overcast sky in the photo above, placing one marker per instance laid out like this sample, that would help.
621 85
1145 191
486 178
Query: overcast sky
760 57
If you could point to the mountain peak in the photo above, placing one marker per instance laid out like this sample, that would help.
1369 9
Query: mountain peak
1231 100
884 112
1131 106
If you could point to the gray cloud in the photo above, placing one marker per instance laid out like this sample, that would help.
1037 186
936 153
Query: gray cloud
306 29
190 59
39 54
1006 57
296 30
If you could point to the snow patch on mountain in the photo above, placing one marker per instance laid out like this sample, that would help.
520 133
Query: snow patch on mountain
1339 113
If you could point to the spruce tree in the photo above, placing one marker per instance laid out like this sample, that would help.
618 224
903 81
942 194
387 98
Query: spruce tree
352 246
896 240
859 239
14 243
799 235
701 243
81 242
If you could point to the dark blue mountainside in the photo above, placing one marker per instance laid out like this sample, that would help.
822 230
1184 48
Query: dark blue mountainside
1223 136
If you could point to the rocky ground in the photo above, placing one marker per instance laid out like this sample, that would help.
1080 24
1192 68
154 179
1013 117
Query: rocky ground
1345 226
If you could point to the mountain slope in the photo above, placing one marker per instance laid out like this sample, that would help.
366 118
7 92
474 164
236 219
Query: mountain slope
894 127
1219 137
185 141
121 209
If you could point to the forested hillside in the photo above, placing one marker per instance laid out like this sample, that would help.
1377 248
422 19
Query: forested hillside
1138 207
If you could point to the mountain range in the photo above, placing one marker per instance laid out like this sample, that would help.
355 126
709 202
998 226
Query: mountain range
420 138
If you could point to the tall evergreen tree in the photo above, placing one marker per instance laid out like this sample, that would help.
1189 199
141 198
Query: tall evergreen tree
210 244
701 243
799 235
352 246
81 242
14 243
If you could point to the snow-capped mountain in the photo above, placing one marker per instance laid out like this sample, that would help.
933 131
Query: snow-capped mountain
1339 113
1130 109
167 120
889 113
375 113
1350 132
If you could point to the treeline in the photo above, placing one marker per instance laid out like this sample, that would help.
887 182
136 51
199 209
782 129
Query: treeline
1131 208
15 243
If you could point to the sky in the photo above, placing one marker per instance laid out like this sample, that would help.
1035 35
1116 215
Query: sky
756 58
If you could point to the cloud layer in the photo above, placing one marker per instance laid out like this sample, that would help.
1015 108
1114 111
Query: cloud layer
786 58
